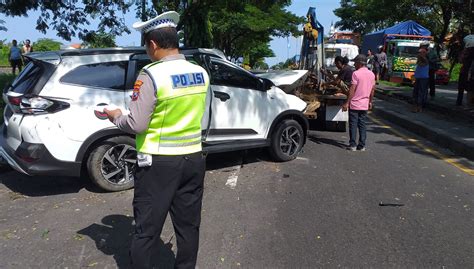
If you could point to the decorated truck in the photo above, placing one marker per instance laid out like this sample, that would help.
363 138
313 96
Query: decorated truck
401 43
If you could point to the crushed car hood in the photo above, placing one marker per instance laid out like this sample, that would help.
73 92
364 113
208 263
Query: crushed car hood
286 80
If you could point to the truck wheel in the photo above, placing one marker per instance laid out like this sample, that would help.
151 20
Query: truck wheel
286 141
111 165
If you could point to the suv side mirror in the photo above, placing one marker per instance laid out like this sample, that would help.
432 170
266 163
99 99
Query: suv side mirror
265 84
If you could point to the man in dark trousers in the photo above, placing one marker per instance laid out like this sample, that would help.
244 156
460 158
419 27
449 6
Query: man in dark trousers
380 64
434 64
359 102
168 103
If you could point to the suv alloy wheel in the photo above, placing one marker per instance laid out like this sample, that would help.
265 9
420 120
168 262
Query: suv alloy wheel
287 140
112 163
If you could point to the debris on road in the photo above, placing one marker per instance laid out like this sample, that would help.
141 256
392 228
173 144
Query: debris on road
390 204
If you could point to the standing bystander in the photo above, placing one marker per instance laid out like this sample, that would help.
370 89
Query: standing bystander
420 89
14 57
380 64
466 76
27 47
359 102
370 60
434 63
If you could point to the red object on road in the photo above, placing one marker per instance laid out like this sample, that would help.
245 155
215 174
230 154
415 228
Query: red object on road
442 76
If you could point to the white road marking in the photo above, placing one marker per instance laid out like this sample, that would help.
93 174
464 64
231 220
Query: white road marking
234 175
82 255
306 160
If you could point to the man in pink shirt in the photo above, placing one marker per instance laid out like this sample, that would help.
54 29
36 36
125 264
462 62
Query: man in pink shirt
359 101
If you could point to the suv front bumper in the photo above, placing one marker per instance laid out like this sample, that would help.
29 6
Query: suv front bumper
35 159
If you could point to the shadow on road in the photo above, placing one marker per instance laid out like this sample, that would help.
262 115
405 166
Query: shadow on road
229 159
375 128
34 186
113 237
408 145
326 141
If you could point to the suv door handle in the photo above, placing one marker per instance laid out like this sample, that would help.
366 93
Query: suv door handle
222 96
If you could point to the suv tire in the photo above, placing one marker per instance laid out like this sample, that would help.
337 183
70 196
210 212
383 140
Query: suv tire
286 141
110 160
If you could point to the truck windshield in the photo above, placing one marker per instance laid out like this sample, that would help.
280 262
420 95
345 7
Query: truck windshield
406 51
332 52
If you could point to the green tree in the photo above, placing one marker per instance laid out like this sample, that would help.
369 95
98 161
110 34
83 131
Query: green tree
283 65
46 44
99 40
236 27
71 18
440 16
239 26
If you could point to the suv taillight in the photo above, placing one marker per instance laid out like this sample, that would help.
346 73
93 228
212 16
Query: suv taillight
41 105
15 100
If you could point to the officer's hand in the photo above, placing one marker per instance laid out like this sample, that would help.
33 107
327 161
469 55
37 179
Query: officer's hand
112 114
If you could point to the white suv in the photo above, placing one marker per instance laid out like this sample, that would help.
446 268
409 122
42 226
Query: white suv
52 127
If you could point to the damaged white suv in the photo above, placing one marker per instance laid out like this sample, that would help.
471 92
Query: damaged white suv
51 126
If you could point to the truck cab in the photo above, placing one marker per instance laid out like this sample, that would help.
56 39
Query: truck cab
401 58
332 50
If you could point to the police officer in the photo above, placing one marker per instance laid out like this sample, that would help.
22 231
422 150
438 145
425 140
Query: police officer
167 105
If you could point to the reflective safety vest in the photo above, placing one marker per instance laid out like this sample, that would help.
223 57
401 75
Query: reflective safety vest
175 125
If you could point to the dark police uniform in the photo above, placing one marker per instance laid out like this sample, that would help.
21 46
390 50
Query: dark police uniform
168 103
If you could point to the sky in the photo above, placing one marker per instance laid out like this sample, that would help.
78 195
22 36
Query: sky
324 14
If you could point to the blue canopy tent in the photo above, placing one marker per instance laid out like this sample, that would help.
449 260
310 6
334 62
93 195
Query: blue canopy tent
407 28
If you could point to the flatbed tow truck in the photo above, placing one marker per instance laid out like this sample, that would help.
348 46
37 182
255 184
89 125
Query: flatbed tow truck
324 109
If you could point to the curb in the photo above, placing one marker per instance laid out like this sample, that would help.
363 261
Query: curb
455 113
435 135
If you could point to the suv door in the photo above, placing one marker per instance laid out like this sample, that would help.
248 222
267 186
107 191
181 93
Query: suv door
88 86
239 104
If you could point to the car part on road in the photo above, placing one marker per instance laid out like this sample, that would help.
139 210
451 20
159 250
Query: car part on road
287 140
112 164
390 204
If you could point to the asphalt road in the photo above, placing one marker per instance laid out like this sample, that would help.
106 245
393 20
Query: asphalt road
321 210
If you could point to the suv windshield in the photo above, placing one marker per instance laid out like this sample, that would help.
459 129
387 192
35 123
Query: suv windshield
27 79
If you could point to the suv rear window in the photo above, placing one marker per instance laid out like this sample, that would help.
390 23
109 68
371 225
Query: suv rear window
27 79
103 75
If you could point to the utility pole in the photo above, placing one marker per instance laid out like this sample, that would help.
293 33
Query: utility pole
143 19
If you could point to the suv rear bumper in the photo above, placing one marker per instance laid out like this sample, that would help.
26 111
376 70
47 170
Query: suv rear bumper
35 159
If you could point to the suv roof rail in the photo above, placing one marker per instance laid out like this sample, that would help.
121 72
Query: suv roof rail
80 52
55 56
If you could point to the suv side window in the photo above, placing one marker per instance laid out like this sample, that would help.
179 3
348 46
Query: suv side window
103 75
139 67
225 75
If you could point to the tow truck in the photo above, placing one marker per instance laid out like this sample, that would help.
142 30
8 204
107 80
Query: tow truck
324 109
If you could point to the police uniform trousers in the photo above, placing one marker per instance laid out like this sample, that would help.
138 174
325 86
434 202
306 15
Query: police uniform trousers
174 184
